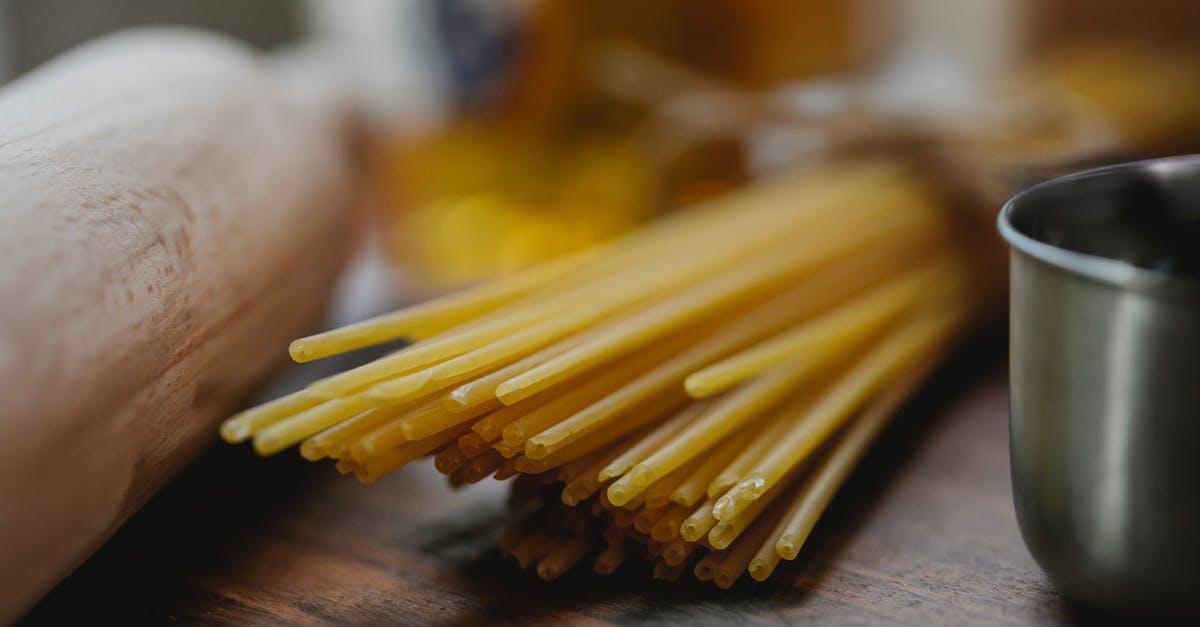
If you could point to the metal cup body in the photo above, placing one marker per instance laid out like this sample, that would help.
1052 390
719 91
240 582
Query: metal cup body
1105 388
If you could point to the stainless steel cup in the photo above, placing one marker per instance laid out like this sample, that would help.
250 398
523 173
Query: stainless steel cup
1105 381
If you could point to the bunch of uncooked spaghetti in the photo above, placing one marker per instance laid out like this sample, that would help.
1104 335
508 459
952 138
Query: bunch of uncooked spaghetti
695 391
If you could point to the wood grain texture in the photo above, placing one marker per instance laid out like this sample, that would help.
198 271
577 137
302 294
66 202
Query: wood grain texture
156 188
924 533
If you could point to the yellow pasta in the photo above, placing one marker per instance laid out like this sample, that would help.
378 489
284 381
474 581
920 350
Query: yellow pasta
699 523
806 298
473 445
853 322
242 426
678 551
737 410
436 315
477 468
734 561
762 439
659 494
666 528
704 569
645 519
587 392
483 389
647 444
587 482
758 276
294 428
726 531
334 440
692 489
816 492
449 459
609 560
902 350
789 305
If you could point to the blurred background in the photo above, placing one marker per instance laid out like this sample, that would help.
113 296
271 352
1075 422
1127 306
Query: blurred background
499 133
503 132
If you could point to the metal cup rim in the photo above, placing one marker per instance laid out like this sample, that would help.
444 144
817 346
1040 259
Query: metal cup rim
1115 272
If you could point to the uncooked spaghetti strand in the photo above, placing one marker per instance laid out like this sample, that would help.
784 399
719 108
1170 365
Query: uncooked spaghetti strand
623 519
666 572
598 385
538 544
243 425
511 452
491 426
692 490
595 303
347 466
449 459
435 350
848 323
811 296
767 434
587 303
653 549
602 298
749 208
421 425
646 518
653 412
473 445
742 406
380 465
698 524
767 558
388 435
439 314
477 468
667 527
575 468
533 422
707 564
803 196
822 484
678 551
612 534
903 349
644 446
507 470
634 504
423 420
725 532
735 560
330 442
483 389
293 429
611 558
755 276
587 482
658 495
412 385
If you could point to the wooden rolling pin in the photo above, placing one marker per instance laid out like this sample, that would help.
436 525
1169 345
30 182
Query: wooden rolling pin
172 213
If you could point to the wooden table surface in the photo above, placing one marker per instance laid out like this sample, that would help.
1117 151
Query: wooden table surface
923 533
